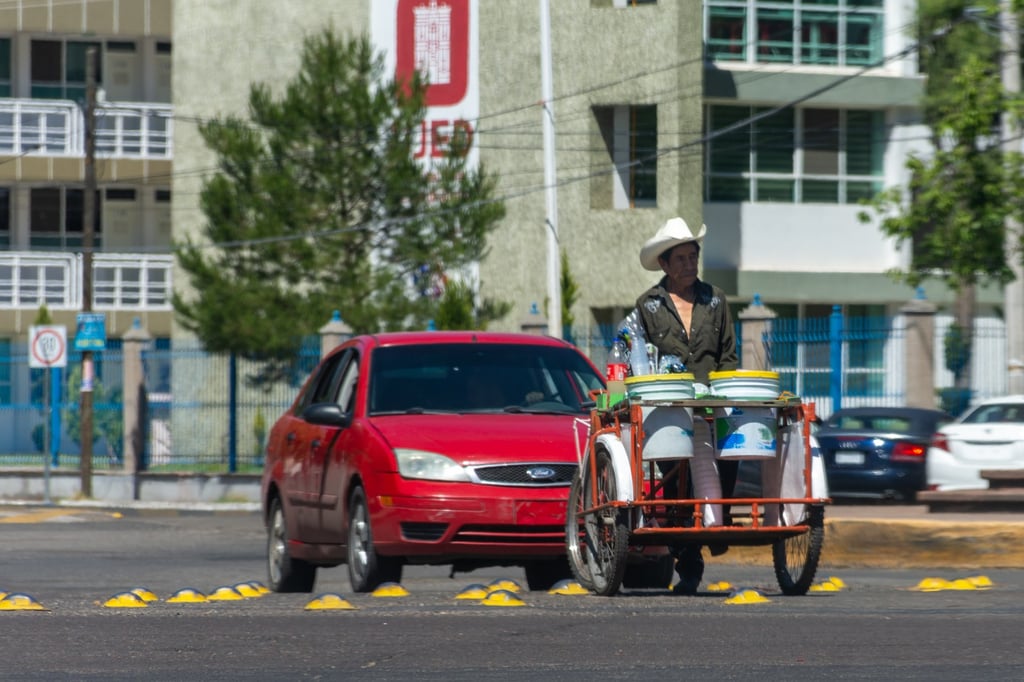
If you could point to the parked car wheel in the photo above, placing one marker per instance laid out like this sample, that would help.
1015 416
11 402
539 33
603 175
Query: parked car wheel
366 568
650 572
285 573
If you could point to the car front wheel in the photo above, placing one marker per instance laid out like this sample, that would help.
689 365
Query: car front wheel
284 572
366 568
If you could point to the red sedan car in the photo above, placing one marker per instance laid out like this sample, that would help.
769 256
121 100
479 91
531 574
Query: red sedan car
427 448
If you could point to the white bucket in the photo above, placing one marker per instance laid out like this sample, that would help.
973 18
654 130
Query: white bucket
668 431
745 432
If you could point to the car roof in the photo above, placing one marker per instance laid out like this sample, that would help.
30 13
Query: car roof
467 336
1001 400
883 410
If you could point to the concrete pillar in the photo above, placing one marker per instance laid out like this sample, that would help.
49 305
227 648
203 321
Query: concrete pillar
134 403
333 334
755 322
919 351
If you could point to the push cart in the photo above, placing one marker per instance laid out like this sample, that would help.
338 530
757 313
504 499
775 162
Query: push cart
617 506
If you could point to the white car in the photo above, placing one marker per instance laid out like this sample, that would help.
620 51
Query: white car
988 436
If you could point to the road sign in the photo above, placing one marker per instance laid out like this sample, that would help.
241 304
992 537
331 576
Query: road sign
92 332
48 346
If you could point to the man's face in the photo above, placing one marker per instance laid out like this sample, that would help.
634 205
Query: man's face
681 263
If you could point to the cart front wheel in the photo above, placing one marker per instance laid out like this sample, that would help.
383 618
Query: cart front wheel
576 548
607 531
796 558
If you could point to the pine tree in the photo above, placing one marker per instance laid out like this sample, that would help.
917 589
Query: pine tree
318 204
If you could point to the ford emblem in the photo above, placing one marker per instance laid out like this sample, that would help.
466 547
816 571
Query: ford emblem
540 473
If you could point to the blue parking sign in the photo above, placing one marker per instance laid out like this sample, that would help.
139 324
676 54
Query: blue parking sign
91 332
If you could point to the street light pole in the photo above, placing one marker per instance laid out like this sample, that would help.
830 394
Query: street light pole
550 177
1013 293
88 232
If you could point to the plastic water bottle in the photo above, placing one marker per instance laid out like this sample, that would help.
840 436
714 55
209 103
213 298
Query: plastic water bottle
640 363
618 366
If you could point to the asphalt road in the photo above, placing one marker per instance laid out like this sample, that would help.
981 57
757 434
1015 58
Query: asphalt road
877 626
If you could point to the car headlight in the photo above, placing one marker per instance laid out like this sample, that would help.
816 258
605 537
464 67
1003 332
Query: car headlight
429 465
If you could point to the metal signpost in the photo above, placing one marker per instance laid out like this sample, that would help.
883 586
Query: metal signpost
48 349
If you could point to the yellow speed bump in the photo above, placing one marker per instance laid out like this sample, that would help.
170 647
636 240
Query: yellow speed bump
502 598
962 584
982 582
504 584
390 590
187 596
838 582
747 597
125 600
720 586
18 601
259 587
225 593
827 586
474 591
328 601
144 594
248 591
932 585
568 587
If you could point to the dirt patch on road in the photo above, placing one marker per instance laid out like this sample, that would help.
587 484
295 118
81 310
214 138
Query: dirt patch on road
907 544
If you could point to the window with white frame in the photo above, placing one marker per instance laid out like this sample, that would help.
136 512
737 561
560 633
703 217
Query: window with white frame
807 155
628 157
826 32
58 68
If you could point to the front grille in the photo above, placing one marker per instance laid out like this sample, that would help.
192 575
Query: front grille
514 535
424 532
518 474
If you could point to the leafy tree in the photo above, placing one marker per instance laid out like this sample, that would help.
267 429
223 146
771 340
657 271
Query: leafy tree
570 294
106 423
955 208
457 308
318 203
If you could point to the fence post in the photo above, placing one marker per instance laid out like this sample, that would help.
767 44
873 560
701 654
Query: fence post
919 351
232 413
333 334
133 407
835 356
755 323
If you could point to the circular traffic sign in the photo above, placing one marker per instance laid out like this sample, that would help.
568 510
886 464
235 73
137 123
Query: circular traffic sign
48 347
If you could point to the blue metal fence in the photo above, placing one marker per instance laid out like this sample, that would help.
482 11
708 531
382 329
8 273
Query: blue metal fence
205 413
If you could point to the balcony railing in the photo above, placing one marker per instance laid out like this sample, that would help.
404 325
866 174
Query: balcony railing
120 281
33 127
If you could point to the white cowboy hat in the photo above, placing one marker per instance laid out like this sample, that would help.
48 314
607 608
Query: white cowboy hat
674 232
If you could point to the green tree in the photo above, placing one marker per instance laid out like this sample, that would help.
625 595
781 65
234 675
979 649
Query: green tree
107 424
570 294
457 308
954 210
318 203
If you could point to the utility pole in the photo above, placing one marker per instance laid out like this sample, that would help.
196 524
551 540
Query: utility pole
550 177
88 232
1013 293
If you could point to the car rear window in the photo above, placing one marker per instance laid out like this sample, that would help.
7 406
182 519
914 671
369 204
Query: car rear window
1000 412
886 423
459 377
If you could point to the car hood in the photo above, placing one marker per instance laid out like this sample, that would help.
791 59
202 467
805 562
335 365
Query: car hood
484 438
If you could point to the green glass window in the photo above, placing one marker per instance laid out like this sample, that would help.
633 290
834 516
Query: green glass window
865 142
730 152
773 142
727 33
644 154
819 38
774 35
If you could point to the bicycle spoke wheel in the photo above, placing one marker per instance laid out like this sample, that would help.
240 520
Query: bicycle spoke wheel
606 532
796 558
576 547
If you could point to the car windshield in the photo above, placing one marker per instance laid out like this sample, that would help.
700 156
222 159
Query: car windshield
996 413
479 377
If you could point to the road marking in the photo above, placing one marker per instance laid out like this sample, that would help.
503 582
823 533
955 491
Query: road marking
38 516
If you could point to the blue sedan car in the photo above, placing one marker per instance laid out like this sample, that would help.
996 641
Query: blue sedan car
878 452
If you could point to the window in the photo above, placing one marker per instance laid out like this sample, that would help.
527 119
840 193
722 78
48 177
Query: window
56 218
629 148
5 371
830 32
793 155
5 67
5 217
58 68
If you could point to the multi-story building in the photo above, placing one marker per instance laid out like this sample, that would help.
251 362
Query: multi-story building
43 80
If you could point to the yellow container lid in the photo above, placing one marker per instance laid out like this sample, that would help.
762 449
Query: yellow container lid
743 374
645 378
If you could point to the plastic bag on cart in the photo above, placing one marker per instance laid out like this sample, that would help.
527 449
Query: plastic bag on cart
783 476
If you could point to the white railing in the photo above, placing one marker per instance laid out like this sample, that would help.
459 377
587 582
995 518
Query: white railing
34 127
120 281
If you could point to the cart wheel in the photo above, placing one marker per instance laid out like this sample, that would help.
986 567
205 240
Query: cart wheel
575 535
606 532
796 558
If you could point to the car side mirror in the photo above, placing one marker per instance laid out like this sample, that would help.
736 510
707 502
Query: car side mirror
326 414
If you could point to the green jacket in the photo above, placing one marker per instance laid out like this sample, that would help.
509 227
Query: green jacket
712 347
